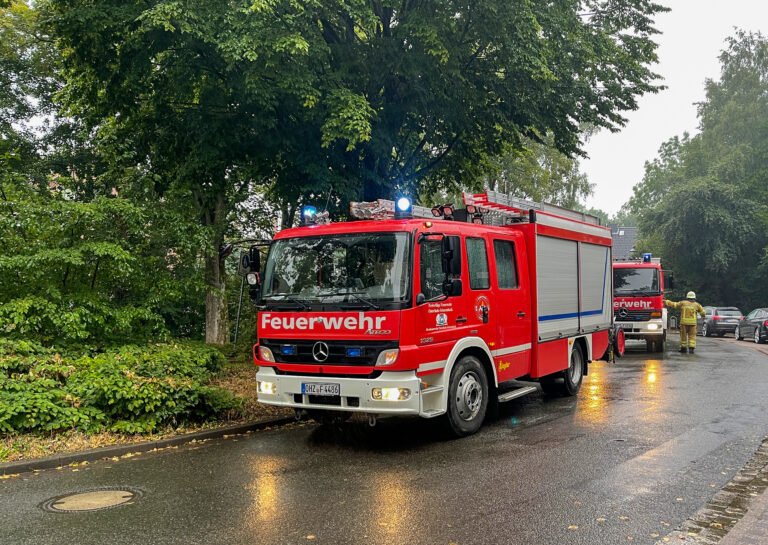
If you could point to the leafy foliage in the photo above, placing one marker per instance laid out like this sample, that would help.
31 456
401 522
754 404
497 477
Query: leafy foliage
213 101
703 203
98 271
128 389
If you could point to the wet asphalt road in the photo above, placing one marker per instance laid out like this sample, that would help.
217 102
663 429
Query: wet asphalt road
644 445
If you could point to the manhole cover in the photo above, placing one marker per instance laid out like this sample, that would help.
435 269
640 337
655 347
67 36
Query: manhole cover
91 500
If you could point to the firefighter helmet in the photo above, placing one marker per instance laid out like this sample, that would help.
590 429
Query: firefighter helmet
691 295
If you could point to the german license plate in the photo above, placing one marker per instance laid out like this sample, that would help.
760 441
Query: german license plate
320 388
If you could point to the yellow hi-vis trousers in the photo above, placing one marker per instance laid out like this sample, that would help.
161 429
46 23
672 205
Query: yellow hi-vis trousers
688 335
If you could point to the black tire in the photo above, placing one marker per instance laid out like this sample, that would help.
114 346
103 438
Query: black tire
654 345
757 336
737 334
567 382
467 397
705 330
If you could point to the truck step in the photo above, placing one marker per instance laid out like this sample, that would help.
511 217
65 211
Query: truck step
513 394
432 390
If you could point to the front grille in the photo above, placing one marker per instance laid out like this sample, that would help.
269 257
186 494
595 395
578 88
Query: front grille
633 316
337 351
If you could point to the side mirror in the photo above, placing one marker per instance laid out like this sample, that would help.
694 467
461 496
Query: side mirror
421 299
451 253
254 285
254 257
452 287
669 281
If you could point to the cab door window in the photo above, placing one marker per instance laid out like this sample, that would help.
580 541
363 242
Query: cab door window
506 266
477 262
431 269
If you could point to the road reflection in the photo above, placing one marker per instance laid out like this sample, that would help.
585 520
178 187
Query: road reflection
390 507
593 408
650 389
265 489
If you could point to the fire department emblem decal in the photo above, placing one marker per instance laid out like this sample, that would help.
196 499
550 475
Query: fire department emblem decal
481 305
442 319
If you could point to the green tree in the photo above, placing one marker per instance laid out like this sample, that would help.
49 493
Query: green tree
703 203
330 100
540 172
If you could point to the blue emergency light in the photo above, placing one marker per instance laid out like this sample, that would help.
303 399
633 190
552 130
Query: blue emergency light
403 208
646 258
288 349
354 352
307 214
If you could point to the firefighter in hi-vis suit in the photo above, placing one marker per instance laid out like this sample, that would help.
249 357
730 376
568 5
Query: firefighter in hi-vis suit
688 310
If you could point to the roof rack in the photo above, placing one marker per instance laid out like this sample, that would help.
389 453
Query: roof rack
513 209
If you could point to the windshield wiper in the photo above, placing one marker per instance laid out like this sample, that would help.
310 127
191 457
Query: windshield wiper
288 298
355 294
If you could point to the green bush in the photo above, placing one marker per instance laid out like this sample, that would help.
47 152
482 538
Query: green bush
127 389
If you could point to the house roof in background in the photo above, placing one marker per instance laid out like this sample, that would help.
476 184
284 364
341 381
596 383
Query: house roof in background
624 239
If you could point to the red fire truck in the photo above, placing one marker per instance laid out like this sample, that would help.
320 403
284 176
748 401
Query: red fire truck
431 312
638 300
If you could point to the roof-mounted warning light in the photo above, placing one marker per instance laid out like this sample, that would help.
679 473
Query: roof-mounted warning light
646 258
403 208
445 211
310 216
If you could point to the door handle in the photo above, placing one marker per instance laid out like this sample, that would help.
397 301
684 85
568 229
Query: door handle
461 320
520 314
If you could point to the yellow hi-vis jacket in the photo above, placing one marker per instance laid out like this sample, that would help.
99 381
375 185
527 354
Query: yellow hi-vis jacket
688 310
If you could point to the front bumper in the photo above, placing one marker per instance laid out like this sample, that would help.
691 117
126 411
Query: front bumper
355 394
651 329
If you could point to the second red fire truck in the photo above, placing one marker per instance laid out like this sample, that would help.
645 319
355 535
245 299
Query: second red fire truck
638 300
431 312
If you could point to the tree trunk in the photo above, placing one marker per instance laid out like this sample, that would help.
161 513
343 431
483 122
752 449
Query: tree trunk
216 316
216 312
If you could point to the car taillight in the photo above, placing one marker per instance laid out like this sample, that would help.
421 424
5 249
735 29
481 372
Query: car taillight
765 323
715 317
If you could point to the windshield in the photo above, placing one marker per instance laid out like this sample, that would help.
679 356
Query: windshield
728 312
635 282
338 271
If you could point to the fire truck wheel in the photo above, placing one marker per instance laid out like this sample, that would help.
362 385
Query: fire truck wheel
567 382
467 397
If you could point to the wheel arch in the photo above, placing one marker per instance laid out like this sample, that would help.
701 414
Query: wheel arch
474 346
585 344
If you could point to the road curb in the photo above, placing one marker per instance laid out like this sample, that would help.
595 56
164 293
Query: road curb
58 460
710 524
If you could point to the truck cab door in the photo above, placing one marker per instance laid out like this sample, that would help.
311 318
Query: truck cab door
440 319
513 349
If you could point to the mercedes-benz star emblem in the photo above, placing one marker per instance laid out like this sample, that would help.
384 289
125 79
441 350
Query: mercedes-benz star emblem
320 351
623 312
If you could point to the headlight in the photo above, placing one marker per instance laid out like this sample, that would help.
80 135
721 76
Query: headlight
267 388
390 394
651 327
252 279
265 354
387 357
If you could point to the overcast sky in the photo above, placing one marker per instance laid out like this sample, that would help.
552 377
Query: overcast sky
693 35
